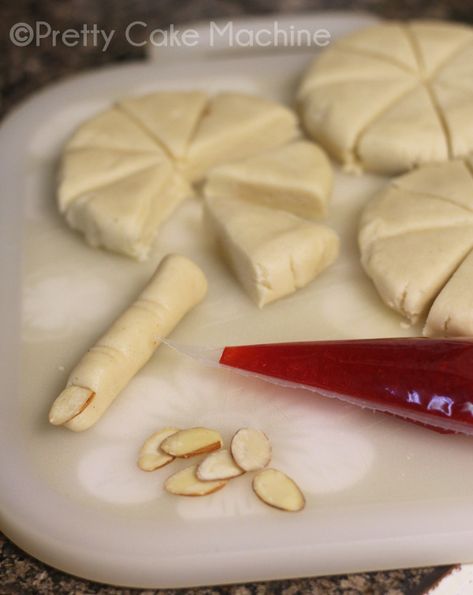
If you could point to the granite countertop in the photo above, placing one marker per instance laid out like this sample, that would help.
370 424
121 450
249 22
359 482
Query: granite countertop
29 68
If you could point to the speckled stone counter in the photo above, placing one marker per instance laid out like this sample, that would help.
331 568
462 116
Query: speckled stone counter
19 573
24 70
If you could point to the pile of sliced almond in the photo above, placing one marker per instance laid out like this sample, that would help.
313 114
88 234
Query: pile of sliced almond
250 450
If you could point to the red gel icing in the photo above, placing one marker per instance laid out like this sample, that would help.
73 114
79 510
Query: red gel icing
433 377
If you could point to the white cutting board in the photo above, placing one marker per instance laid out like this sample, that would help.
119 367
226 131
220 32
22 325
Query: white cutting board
380 493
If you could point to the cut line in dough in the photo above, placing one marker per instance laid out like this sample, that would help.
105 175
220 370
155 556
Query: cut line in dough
415 237
179 134
424 57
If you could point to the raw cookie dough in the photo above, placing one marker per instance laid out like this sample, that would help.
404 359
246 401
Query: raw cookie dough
235 126
123 216
393 96
414 235
176 287
124 171
272 253
171 117
452 311
297 178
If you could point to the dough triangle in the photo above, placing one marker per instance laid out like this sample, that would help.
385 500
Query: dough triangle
396 211
406 135
111 129
458 71
452 312
237 126
409 270
272 253
85 169
387 40
296 178
124 216
438 41
343 65
450 181
337 114
457 108
171 117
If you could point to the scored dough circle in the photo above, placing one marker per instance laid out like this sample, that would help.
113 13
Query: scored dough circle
124 171
416 244
393 96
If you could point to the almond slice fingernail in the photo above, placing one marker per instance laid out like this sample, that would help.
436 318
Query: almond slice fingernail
218 465
151 457
191 442
186 483
278 490
72 401
250 449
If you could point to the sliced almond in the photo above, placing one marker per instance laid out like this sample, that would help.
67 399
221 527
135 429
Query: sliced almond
278 490
191 442
151 457
72 401
251 449
186 483
218 465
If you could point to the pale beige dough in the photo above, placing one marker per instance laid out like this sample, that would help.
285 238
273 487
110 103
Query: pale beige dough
171 117
409 270
86 169
457 106
409 132
394 96
124 215
111 129
413 237
438 43
450 182
456 73
452 311
107 367
338 114
394 212
342 65
124 171
297 178
272 253
236 126
387 41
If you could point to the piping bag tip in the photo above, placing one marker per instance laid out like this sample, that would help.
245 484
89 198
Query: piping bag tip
209 356
423 381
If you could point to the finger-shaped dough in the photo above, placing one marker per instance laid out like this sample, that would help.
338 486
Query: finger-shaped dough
175 288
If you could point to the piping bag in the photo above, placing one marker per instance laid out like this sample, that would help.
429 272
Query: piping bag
425 381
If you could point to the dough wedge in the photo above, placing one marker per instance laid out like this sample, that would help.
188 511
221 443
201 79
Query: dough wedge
296 178
236 126
272 253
